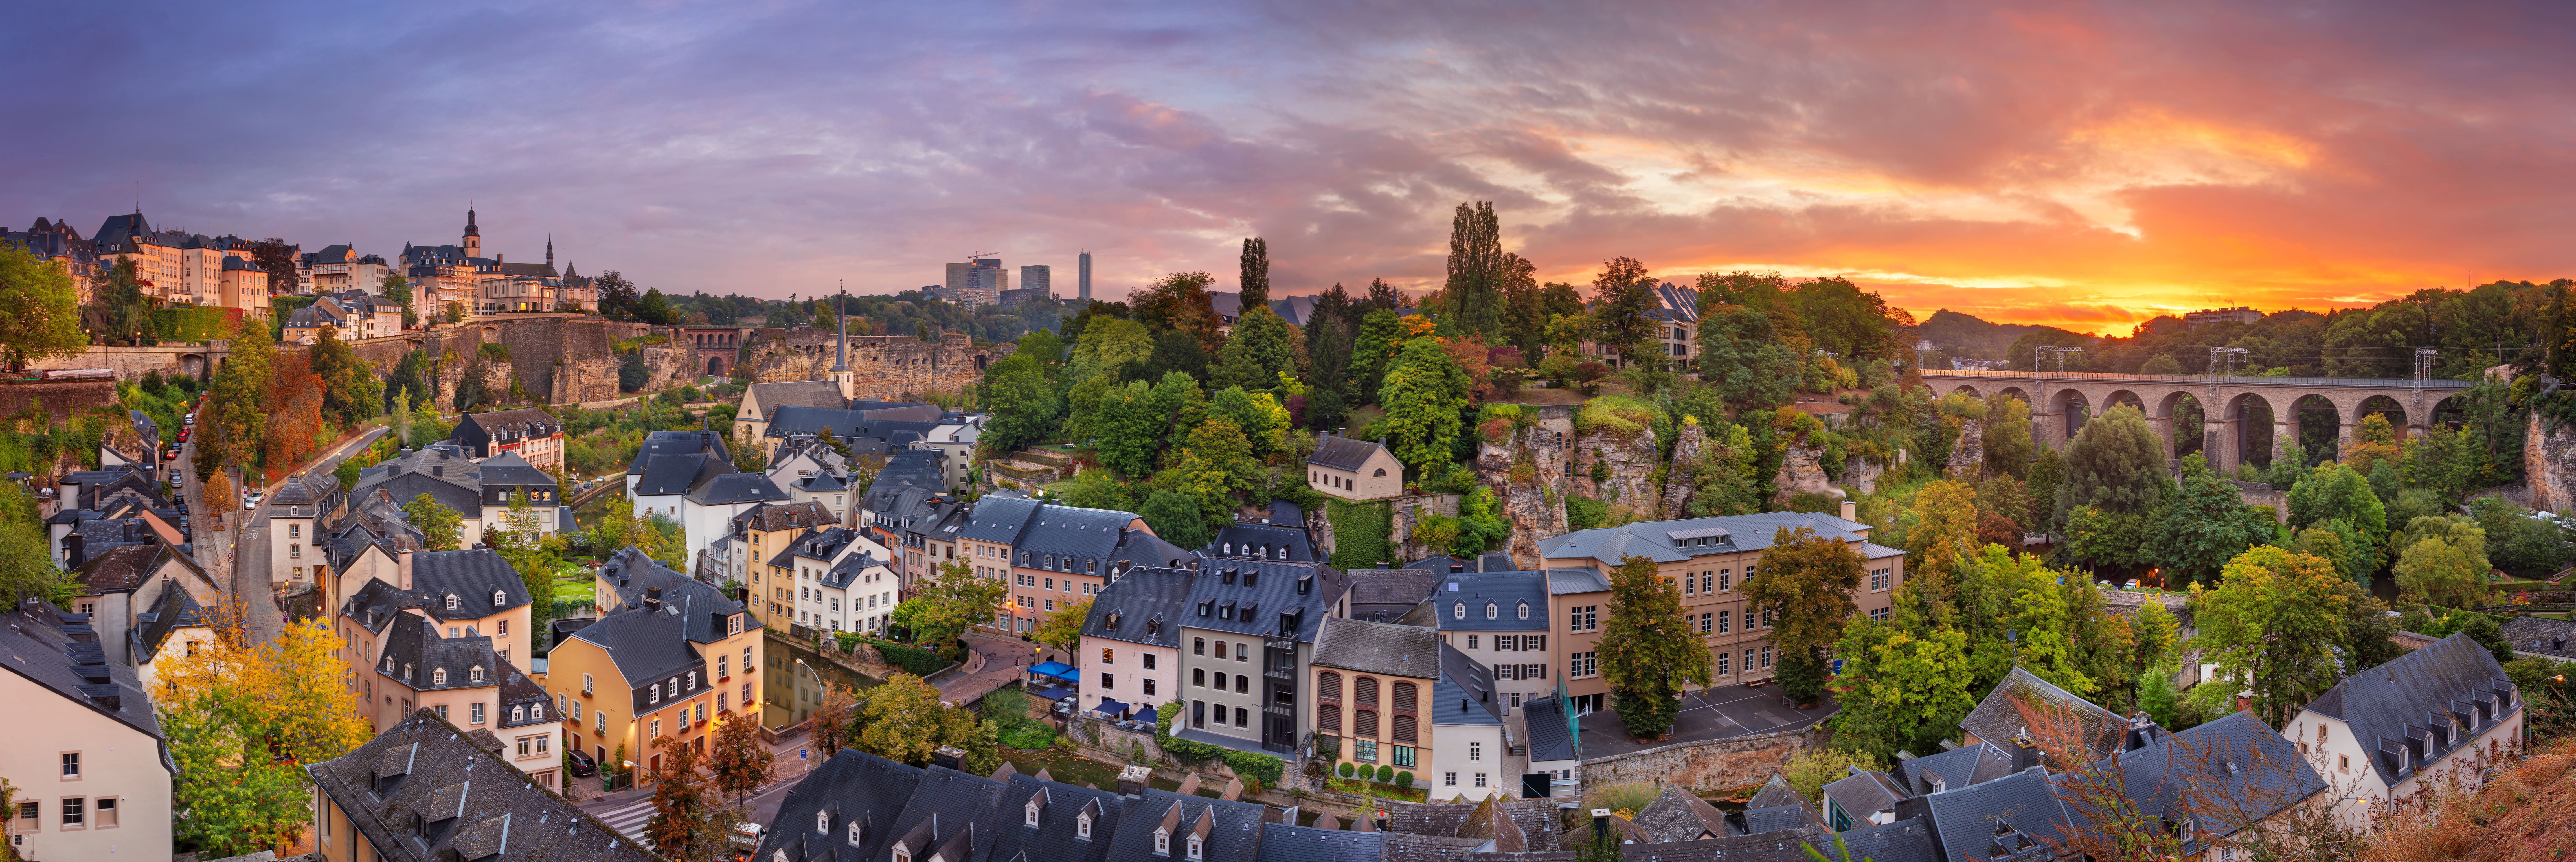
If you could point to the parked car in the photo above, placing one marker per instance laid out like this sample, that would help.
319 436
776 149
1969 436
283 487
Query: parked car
171 455
582 765
745 839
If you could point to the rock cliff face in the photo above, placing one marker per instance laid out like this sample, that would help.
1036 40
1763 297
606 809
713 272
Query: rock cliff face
1690 451
1969 455
1527 473
669 366
1862 473
885 366
1628 482
2549 466
1802 471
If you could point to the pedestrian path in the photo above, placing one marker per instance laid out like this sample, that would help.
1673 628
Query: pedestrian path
628 819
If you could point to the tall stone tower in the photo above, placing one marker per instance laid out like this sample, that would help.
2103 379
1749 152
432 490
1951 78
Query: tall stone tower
473 235
847 379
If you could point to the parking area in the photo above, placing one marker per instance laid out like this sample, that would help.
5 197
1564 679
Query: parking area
1724 712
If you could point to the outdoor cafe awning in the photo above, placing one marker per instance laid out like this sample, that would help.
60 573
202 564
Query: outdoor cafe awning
1111 708
1052 694
1056 669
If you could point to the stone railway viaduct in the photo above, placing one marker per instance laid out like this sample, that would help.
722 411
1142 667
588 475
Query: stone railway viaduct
2066 398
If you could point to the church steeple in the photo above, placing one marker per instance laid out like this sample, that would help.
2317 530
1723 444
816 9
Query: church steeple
550 251
473 235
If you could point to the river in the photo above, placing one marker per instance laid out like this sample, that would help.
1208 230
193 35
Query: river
790 693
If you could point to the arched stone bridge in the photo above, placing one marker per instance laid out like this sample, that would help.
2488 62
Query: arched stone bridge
2064 398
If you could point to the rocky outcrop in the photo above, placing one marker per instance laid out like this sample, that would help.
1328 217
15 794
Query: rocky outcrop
1618 469
2549 465
1967 456
1802 471
1525 471
668 366
1690 453
881 366
1862 473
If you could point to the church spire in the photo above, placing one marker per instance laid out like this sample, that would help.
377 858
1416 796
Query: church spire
841 352
470 229
550 251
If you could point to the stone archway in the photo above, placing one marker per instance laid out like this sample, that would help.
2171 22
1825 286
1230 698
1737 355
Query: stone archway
2394 410
2249 429
715 366
192 364
1970 390
2072 408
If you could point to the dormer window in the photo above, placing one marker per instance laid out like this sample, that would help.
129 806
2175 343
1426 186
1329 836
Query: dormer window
451 601
438 676
823 823
474 674
500 598
406 673
1082 827
693 680
1524 610
1458 610
1492 610
1162 843
1030 815
857 834
1197 848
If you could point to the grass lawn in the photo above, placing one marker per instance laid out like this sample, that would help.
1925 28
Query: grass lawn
1382 791
1068 768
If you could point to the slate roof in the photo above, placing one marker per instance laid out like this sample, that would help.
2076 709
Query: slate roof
2225 775
1907 840
1392 588
1964 820
473 575
1507 592
1865 793
974 817
1273 591
1579 580
415 652
1081 540
1727 534
475 805
651 644
1381 648
39 643
1998 719
1549 736
772 517
443 473
700 442
850 567
1343 453
1464 693
822 482
820 544
1285 843
174 611
509 470
735 488
1262 541
1777 807
1677 815
1145 597
848 425
125 567
1143 548
768 397
2388 705
1958 767
673 475
2537 634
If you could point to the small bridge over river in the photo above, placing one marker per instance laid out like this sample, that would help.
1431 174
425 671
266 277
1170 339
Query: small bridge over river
2061 400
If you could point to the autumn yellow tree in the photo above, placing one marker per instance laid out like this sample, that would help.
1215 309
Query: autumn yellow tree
1063 629
1946 531
242 719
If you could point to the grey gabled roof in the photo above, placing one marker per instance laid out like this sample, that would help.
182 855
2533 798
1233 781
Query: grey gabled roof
1464 693
1384 648
1262 541
702 441
733 488
1907 840
1087 536
766 398
1726 534
1507 592
672 475
473 575
1677 815
508 469
1407 587
2225 775
37 642
415 652
1865 793
651 643
1274 590
2383 705
1145 595
1282 842
1998 718
1343 453
1958 767
1964 820
1550 739
820 544
476 805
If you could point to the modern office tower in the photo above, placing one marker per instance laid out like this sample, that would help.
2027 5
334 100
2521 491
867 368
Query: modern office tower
1037 277
1084 279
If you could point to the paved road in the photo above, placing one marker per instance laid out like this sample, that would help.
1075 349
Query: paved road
627 810
238 555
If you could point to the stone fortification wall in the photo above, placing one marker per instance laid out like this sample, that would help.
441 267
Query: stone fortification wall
1714 764
884 366
60 400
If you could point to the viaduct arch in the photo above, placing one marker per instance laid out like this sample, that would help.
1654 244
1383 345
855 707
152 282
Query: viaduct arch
2067 397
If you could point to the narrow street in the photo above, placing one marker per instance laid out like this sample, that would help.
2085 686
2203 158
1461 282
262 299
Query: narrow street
237 555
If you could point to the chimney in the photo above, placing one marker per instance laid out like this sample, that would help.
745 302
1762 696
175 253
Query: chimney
402 568
1851 511
947 755
1601 826
1133 778
652 597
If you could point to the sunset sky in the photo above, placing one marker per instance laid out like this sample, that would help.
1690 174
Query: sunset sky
2084 166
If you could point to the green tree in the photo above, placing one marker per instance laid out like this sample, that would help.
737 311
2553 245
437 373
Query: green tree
1022 404
1804 588
440 525
1373 351
239 720
121 309
1132 431
956 600
2115 463
656 309
1180 403
1481 526
2442 561
1474 291
1902 690
39 312
1422 396
2206 523
2354 555
1945 528
26 565
1647 655
2047 472
397 290
1264 422
232 421
2007 436
1624 302
2333 491
1176 518
532 551
1109 344
1742 355
900 720
1262 348
2272 627
1255 278
1062 628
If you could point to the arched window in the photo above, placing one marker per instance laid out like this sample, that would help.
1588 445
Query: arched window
1364 690
1404 728
1328 717
1524 610
1491 610
1404 695
1328 685
1364 723
1458 610
1381 473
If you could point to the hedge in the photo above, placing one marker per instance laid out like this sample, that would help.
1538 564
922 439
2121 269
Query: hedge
1360 532
911 660
1249 764
193 324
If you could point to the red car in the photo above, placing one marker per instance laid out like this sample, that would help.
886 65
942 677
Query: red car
171 455
183 434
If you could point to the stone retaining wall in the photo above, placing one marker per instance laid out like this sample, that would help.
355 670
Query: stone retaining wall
1713 764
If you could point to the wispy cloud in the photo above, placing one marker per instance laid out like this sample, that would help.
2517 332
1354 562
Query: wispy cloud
2079 165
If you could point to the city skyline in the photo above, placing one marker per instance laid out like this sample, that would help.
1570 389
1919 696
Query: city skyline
2078 167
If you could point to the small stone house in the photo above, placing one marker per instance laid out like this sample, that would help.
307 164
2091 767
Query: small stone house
1354 469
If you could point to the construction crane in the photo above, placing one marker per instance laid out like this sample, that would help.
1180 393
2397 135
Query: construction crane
981 254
